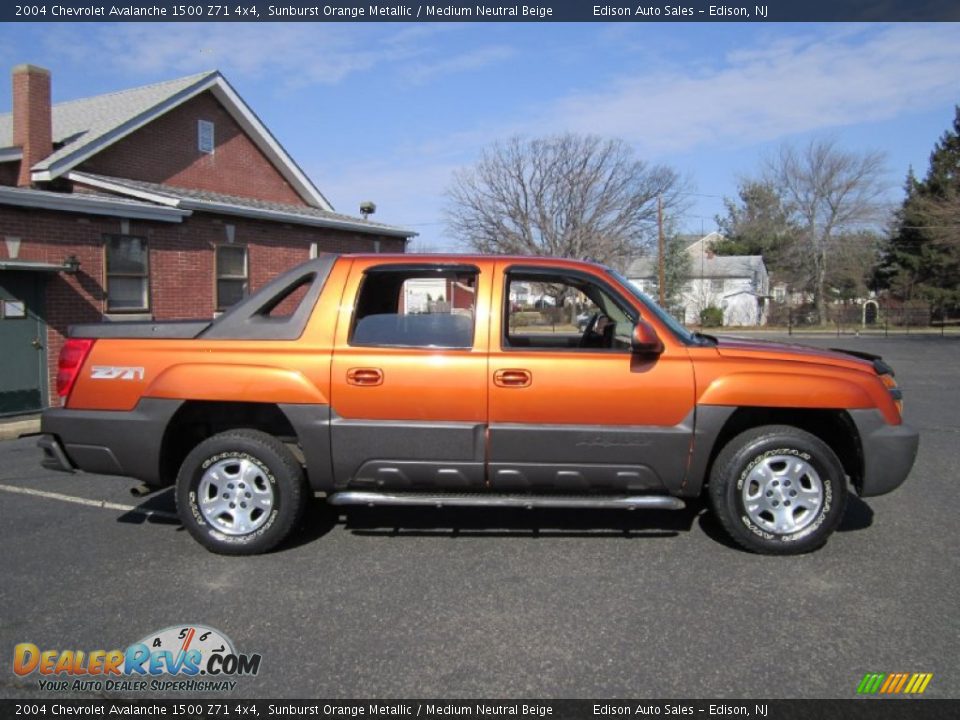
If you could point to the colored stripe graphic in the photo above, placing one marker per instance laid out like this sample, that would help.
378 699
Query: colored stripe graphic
870 683
894 683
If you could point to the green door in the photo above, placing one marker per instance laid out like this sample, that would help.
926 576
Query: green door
23 335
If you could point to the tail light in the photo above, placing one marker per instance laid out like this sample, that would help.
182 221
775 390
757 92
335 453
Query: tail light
72 356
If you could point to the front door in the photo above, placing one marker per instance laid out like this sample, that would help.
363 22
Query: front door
22 339
571 407
408 377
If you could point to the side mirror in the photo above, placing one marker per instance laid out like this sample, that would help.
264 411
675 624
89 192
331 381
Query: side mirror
644 340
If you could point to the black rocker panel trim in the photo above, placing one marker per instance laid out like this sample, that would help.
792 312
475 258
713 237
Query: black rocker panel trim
419 446
572 478
415 475
657 456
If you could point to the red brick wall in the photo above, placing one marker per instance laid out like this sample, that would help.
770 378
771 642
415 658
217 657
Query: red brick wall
182 278
165 151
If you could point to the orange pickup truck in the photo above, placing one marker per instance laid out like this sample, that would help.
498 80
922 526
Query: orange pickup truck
473 381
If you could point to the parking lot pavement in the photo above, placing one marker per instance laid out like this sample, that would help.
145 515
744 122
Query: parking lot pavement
522 604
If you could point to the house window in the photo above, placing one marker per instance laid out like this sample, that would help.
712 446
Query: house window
205 136
231 275
716 286
128 274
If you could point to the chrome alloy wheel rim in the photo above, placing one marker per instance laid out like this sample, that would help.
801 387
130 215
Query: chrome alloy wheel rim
235 496
782 494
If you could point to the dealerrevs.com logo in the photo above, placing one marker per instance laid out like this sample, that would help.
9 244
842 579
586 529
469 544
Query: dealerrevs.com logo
188 658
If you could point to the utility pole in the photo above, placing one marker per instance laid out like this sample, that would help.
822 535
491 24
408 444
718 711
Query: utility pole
662 263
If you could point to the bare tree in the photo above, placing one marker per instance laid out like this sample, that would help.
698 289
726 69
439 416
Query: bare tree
830 193
566 196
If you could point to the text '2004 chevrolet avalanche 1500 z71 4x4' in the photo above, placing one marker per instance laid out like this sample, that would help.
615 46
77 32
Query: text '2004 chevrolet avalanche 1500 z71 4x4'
470 380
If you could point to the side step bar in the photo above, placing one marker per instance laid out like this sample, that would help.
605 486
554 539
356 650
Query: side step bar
357 497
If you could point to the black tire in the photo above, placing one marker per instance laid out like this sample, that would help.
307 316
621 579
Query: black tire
761 472
235 468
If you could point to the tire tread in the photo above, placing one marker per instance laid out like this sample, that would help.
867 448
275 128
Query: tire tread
724 471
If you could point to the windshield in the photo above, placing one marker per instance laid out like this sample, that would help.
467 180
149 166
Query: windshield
671 322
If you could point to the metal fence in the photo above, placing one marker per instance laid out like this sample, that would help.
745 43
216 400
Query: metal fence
880 317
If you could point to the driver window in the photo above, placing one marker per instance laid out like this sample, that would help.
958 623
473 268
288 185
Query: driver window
562 313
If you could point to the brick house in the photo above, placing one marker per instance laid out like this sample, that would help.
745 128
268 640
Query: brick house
166 201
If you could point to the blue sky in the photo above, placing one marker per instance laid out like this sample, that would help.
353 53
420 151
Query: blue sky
388 111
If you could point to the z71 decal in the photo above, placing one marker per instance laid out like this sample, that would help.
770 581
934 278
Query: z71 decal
110 372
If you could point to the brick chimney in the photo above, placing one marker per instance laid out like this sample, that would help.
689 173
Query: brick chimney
32 124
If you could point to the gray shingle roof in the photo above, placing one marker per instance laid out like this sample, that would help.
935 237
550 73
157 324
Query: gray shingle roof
294 211
83 121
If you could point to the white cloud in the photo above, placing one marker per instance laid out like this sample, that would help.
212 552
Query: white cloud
786 86
297 54
421 71
293 55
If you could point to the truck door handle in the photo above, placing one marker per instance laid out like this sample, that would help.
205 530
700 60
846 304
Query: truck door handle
365 376
512 378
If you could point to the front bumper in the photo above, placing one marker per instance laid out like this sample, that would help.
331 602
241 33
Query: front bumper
888 452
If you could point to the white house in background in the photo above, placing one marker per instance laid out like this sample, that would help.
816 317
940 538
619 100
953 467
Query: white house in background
737 284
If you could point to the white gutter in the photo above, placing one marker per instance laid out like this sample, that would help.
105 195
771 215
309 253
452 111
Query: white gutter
89 205
234 209
9 154
121 189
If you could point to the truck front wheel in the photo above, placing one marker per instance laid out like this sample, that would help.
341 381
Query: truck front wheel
778 490
240 492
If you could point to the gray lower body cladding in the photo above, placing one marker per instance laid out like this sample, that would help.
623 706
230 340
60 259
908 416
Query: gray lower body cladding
888 452
423 456
110 442
407 455
130 442
464 457
400 455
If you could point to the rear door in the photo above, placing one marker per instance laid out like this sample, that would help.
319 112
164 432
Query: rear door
408 382
22 341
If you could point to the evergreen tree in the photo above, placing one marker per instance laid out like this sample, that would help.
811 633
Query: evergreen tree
922 260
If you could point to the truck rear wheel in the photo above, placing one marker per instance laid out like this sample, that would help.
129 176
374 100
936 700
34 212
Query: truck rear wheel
778 490
240 492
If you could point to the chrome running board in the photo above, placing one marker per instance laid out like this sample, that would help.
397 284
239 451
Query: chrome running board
358 497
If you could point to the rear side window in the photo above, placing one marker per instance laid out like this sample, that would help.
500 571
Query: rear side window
426 307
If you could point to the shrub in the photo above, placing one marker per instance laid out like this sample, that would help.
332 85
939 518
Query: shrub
711 317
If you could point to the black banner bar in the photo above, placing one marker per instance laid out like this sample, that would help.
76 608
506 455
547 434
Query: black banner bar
227 709
484 11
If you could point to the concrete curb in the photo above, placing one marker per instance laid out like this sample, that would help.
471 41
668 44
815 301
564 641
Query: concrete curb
12 429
